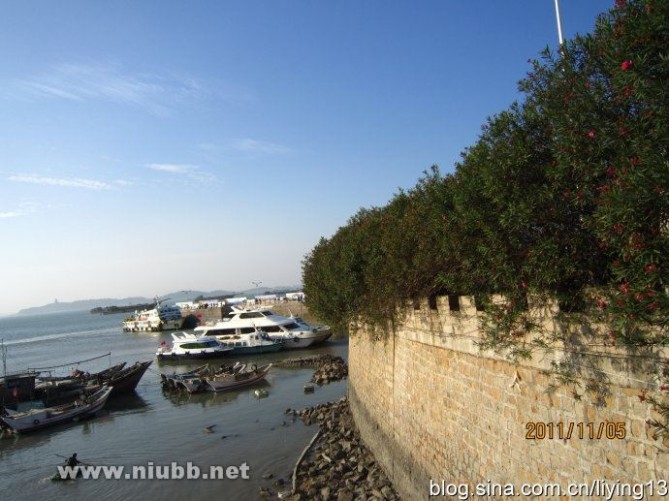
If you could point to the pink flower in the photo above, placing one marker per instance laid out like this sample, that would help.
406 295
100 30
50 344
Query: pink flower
626 65
591 133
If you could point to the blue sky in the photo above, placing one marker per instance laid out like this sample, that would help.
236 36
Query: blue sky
154 146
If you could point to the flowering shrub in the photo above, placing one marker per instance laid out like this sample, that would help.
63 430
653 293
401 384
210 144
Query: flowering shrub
565 194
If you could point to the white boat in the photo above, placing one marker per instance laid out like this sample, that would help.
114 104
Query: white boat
251 343
294 332
37 419
321 332
163 317
188 346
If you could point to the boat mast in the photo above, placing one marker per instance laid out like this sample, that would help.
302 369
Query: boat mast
4 357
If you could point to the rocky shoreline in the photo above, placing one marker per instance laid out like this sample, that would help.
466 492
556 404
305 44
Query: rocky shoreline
337 466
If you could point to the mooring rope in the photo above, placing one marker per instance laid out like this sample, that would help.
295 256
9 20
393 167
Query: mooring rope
37 369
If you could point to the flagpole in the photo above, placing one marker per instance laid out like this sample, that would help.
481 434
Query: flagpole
559 22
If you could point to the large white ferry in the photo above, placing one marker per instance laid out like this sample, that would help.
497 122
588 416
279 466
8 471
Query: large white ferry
160 318
293 332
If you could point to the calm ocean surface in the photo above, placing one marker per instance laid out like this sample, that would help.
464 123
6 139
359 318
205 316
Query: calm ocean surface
151 426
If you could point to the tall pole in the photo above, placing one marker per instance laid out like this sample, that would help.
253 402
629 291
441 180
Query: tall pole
559 22
257 284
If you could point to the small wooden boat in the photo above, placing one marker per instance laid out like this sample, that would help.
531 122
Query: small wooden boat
126 380
82 376
37 419
194 381
237 380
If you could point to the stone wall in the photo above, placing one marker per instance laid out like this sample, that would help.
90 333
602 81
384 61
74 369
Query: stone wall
432 406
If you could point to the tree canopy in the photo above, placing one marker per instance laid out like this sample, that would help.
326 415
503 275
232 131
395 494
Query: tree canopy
564 193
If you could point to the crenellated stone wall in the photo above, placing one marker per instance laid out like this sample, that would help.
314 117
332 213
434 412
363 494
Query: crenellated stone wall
433 407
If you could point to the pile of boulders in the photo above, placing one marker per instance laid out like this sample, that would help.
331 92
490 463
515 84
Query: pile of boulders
328 367
338 466
333 370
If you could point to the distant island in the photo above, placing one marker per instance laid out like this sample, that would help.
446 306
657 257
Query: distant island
110 310
111 305
81 305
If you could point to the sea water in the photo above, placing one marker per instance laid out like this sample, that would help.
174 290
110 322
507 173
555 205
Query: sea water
152 431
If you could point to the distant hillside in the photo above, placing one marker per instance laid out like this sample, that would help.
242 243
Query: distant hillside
89 304
81 305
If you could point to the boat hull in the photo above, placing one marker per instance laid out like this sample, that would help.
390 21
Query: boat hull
192 355
234 381
292 342
45 418
127 379
322 335
152 326
255 350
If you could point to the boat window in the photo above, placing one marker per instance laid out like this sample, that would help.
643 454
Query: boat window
251 314
247 330
272 328
292 326
220 332
192 346
267 313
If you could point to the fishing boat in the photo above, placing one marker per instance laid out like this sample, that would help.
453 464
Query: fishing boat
127 379
122 379
189 346
237 380
293 331
37 419
195 381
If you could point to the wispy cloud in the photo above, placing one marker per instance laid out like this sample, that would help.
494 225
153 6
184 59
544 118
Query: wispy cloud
191 171
13 213
89 184
23 210
174 168
254 146
158 94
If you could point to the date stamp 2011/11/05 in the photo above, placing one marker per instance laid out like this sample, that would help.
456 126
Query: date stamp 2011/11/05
610 430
